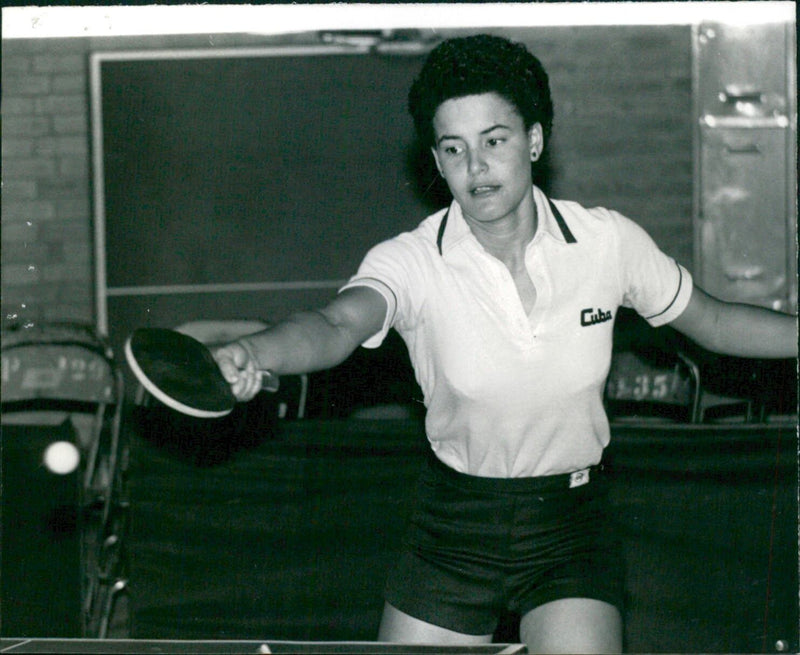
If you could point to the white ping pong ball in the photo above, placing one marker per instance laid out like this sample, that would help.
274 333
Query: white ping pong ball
61 457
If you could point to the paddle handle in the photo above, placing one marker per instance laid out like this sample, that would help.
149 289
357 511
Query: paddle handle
269 381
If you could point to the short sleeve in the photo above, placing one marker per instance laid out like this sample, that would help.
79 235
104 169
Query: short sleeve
388 269
653 284
391 306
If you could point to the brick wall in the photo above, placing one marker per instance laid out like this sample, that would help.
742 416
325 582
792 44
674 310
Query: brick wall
46 245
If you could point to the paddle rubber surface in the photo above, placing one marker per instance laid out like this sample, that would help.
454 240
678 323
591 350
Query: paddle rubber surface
179 371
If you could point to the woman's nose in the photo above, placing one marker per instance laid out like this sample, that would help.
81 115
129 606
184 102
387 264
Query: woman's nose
477 163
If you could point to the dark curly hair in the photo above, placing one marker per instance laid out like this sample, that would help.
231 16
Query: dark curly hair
479 64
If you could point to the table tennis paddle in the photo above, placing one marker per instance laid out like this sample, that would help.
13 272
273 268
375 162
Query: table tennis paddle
180 371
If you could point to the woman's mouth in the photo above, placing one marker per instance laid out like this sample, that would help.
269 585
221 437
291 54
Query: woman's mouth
484 189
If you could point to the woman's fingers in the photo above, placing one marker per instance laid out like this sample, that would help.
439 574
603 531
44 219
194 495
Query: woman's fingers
238 370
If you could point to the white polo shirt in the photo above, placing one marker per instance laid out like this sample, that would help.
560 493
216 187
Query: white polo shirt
510 394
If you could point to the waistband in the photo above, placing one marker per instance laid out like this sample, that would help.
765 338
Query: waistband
534 484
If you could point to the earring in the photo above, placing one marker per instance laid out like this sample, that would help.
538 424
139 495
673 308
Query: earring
534 155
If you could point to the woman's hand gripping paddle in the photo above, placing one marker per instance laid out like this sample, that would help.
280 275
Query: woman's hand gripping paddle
180 372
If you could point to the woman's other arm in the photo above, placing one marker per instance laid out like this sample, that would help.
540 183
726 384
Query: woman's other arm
737 329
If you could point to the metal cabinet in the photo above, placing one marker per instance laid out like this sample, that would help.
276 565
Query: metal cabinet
746 183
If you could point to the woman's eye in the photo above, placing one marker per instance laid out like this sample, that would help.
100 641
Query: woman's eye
495 141
452 150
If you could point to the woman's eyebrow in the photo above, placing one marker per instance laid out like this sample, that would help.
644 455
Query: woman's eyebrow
446 137
498 126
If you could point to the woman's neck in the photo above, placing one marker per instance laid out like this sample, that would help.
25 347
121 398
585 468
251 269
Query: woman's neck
507 238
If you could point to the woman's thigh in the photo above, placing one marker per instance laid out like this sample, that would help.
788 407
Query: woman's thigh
399 627
573 625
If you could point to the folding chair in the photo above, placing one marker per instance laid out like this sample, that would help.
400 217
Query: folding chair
60 383
659 375
653 386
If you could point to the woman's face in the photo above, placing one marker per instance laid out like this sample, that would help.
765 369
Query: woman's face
484 153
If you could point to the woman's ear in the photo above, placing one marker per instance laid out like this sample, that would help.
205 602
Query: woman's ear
536 141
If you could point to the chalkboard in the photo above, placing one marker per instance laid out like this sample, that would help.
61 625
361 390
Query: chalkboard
225 168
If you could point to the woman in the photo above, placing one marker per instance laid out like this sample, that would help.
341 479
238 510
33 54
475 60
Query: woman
506 302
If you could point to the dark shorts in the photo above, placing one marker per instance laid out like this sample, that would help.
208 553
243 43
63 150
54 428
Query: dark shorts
478 548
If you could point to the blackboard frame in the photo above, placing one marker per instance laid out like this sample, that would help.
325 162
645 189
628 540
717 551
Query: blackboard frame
107 290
